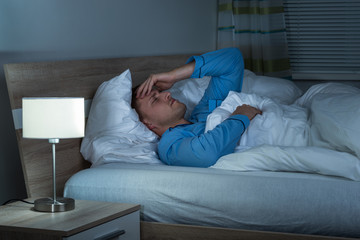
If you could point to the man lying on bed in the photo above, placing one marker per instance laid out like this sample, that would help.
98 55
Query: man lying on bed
183 142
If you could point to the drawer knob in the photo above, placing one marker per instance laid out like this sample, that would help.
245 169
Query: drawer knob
111 235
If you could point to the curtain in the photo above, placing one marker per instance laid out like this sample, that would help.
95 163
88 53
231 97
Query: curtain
257 28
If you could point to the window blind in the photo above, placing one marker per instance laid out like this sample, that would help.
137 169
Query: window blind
323 38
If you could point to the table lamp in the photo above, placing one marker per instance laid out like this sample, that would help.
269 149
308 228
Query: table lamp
53 119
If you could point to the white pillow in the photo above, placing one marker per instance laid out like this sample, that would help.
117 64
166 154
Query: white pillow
190 91
306 99
335 121
113 131
278 89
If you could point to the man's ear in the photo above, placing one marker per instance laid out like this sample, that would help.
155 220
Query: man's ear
149 125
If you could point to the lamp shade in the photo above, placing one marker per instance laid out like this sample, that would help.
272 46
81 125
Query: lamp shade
47 118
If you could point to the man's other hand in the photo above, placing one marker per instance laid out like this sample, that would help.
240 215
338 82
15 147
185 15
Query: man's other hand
247 110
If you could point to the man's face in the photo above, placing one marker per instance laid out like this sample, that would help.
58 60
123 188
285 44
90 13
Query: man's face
160 108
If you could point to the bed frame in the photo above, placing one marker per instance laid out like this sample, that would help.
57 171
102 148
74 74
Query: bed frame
81 78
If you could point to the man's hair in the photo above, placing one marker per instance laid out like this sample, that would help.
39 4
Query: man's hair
133 97
134 103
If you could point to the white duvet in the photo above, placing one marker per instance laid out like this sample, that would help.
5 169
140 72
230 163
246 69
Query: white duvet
319 133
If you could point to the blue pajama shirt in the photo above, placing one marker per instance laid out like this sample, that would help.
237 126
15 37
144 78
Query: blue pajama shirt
187 144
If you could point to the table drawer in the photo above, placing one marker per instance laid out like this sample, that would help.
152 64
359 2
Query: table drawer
125 228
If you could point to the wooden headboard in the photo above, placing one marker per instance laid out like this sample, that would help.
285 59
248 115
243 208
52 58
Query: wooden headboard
67 79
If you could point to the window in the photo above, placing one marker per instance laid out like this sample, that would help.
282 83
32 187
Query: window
323 38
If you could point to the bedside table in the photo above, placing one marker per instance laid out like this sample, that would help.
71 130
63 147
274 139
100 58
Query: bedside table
89 220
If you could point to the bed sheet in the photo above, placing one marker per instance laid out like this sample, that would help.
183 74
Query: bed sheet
269 201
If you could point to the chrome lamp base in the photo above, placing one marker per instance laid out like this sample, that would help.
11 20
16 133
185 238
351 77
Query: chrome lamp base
58 205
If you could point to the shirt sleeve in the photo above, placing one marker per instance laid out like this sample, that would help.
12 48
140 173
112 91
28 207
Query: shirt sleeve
226 68
188 149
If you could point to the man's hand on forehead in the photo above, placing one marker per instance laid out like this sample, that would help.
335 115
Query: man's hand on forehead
165 80
160 82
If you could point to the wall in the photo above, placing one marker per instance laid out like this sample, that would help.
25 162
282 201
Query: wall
43 30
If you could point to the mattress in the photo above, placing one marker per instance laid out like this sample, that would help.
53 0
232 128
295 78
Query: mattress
263 200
